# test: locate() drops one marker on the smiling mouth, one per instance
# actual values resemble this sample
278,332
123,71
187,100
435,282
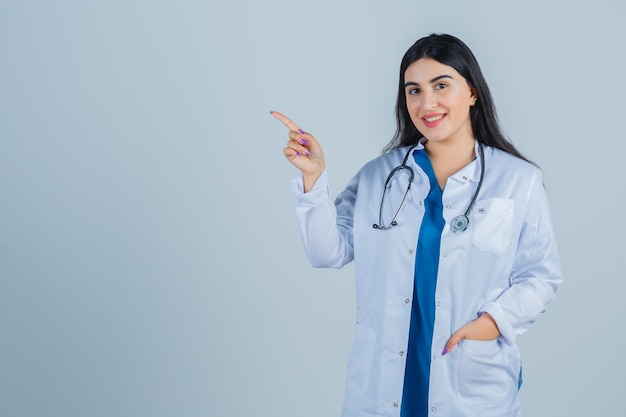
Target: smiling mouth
434,119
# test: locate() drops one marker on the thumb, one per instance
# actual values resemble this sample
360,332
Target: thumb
453,341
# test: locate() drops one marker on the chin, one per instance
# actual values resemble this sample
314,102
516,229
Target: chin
434,138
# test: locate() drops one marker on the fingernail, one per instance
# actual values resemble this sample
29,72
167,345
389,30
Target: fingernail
444,351
302,132
307,153
304,142
298,153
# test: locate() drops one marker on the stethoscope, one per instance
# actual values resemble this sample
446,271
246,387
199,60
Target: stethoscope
459,223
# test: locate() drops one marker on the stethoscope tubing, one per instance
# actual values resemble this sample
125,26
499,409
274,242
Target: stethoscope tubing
459,223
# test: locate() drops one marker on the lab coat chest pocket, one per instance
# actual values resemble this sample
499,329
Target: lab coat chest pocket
492,224
360,363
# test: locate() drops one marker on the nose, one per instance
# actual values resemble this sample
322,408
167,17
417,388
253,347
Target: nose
429,101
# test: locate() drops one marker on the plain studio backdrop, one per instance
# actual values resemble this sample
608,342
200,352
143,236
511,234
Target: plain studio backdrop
150,263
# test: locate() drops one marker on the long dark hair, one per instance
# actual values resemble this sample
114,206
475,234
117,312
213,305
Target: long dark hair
452,52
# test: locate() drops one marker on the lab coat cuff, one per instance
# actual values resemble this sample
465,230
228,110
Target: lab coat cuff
319,193
504,326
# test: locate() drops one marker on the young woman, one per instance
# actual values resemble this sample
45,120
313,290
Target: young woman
452,241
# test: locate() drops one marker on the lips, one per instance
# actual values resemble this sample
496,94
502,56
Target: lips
433,120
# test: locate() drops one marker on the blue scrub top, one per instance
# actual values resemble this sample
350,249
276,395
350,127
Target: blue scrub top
417,373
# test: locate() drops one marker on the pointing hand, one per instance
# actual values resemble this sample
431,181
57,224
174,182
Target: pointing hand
303,151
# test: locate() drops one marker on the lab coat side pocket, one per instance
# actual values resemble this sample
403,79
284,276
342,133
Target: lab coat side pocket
483,376
360,364
492,224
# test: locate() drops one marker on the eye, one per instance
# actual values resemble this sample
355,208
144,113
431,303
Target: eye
414,91
440,86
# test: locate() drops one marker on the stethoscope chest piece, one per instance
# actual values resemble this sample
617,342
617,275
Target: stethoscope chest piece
459,223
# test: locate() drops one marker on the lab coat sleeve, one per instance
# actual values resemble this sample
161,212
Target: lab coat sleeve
325,227
536,272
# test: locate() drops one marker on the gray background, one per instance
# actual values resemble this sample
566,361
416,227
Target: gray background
150,263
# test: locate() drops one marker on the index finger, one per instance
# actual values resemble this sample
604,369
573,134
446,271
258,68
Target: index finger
286,121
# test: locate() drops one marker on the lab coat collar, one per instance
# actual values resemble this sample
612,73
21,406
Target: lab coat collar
470,172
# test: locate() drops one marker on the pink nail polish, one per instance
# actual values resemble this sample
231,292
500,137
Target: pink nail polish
304,142
444,351
298,153
302,132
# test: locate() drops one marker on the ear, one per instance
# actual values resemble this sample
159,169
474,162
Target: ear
473,96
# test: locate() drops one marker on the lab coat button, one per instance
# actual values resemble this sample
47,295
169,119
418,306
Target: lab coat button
438,303
448,206
411,251
444,254
395,405
464,178
407,301
434,357
401,353
433,408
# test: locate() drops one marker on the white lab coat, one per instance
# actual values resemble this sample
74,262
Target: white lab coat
505,263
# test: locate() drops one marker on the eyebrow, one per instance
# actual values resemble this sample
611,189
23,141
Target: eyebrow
437,78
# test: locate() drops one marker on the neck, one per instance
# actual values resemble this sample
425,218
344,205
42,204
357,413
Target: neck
448,158
458,151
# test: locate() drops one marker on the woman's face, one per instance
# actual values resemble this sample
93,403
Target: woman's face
438,100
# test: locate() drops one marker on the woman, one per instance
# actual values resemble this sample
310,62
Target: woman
452,240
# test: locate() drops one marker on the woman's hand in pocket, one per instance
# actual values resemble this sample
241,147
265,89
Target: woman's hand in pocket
483,328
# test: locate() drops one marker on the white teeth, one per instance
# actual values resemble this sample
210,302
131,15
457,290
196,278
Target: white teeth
434,119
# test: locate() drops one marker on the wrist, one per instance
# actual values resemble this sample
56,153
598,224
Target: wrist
489,319
309,180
